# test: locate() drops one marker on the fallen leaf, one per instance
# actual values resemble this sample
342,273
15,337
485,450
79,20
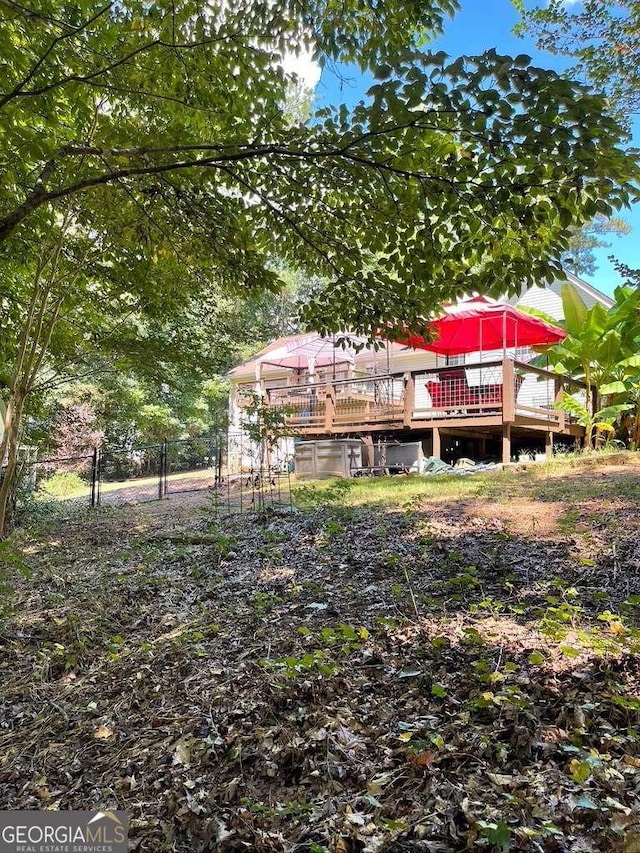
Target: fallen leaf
103,732
422,759
631,843
182,753
500,779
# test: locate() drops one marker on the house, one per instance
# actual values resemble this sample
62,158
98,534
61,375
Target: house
482,404
549,300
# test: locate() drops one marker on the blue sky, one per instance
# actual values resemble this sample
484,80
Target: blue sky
480,25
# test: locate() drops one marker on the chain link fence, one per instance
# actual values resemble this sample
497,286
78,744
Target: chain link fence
239,476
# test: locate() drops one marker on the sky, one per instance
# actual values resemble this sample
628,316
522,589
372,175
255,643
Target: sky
480,25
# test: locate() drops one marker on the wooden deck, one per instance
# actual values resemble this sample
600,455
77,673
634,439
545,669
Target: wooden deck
499,397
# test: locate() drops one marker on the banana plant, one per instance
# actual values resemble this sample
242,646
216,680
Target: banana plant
627,387
600,349
598,426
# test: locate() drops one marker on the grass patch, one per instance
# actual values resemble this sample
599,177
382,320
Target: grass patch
556,480
62,485
394,490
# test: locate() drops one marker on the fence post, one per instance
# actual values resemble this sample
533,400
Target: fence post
330,408
161,470
508,394
218,476
99,469
94,475
166,466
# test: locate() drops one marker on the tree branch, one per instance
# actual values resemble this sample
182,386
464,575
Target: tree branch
17,90
89,78
40,196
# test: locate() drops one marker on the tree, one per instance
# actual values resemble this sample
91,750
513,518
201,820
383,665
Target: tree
94,302
148,157
579,257
602,35
76,431
463,157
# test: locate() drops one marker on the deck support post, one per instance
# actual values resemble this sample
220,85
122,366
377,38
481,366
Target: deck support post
367,454
508,391
548,444
329,409
506,443
409,399
436,449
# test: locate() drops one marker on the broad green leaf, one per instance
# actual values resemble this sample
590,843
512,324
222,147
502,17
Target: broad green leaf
631,361
497,834
610,413
595,318
613,388
575,311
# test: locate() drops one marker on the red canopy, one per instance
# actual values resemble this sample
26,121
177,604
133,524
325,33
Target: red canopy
479,324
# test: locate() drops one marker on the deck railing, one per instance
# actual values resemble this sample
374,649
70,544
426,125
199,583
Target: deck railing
491,392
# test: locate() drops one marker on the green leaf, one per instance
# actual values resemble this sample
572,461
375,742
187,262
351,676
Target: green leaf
580,770
613,388
595,317
570,651
383,72
610,413
632,361
575,311
497,834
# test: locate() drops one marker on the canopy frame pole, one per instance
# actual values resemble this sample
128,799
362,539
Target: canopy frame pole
504,334
481,355
333,341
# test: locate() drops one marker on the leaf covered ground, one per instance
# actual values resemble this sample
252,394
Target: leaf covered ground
443,668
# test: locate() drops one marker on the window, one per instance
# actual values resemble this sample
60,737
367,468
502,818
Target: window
523,354
454,360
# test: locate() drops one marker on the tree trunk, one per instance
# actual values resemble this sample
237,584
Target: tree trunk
9,448
635,443
590,401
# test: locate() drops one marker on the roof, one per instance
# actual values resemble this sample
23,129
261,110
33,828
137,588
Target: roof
248,367
598,295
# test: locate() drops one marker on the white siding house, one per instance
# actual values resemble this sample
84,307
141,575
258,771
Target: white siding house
549,300
396,358
534,394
